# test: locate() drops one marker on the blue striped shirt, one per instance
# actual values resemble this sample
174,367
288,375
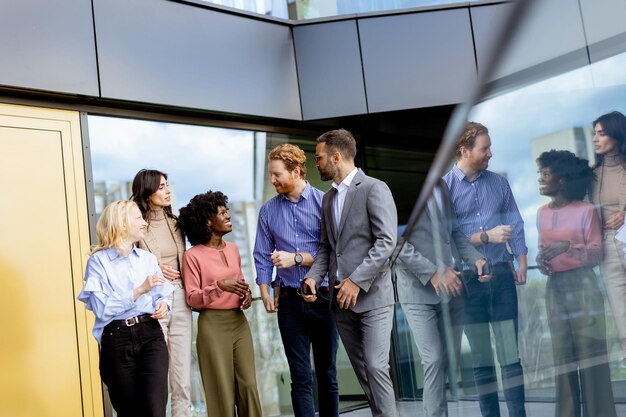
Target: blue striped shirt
290,227
483,204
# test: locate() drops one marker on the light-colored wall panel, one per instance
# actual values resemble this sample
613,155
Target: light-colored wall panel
551,31
417,60
165,52
604,27
329,70
48,45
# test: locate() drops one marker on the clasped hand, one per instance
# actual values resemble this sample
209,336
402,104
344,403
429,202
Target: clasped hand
241,288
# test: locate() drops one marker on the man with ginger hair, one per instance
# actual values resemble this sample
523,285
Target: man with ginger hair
489,218
287,239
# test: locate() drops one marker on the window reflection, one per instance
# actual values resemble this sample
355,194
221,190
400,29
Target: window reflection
197,159
311,9
556,113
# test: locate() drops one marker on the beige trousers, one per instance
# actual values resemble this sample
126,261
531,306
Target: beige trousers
614,277
177,329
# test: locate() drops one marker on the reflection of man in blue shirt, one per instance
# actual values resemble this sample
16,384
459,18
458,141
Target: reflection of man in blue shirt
288,236
489,217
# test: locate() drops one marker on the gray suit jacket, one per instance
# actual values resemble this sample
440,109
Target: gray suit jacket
362,245
435,240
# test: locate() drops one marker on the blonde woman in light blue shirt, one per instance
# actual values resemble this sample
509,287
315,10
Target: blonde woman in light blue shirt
128,295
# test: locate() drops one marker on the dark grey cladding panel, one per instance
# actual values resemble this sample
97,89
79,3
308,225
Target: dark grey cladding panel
329,70
48,45
169,53
417,60
551,37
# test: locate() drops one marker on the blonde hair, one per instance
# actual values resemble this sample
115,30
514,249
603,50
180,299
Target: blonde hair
113,226
291,155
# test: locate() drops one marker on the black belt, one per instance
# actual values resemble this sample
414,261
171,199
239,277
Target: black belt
296,291
131,321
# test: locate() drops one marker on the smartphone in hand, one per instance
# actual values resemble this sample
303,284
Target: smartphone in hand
487,268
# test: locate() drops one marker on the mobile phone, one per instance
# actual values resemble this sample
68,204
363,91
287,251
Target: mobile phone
487,268
305,289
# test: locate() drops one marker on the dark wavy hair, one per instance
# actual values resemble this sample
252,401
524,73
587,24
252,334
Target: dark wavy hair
146,183
574,171
614,126
193,218
339,140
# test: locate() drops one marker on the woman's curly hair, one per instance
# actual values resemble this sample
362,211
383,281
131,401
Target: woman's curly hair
193,218
574,171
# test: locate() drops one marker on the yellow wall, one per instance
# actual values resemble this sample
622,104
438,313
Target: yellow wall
48,359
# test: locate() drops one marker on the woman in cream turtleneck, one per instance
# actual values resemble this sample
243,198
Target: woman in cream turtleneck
609,196
164,239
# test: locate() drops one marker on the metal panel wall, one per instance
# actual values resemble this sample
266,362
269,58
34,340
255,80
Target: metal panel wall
417,60
164,52
48,45
487,23
551,36
329,70
604,26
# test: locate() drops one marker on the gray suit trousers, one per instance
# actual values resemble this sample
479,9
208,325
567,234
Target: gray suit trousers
429,333
367,339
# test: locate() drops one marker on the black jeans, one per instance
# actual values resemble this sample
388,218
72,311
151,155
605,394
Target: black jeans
302,326
133,365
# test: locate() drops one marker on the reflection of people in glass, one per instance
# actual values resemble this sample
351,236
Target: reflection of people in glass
609,194
164,239
569,245
489,217
429,287
215,285
287,238
127,293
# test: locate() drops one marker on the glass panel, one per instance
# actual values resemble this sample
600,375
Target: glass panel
553,344
198,159
311,9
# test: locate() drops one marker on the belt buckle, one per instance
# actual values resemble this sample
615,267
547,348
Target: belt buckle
131,321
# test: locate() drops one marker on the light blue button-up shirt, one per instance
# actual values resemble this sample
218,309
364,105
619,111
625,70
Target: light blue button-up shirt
110,279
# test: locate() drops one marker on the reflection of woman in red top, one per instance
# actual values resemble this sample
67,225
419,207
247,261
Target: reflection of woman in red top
215,285
570,244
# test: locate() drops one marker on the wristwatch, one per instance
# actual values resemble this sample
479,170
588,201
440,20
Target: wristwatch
298,259
484,238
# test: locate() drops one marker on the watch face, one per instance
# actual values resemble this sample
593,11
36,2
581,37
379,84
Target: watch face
484,237
298,259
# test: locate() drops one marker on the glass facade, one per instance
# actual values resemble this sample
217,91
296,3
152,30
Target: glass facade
556,341
198,159
548,345
312,9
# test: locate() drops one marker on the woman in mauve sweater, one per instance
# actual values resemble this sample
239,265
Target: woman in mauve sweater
215,285
570,245
164,239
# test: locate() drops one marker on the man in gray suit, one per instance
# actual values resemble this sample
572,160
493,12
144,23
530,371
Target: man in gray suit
358,235
429,288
